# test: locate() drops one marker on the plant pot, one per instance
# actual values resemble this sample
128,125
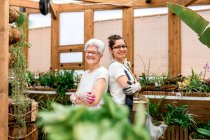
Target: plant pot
13,14
176,133
14,35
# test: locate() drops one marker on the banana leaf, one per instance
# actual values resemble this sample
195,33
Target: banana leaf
197,23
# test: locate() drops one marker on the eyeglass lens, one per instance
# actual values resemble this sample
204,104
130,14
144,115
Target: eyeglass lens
120,46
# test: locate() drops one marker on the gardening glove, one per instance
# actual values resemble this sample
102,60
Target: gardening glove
132,88
87,97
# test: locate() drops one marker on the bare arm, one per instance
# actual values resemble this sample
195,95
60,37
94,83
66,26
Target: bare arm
98,90
122,80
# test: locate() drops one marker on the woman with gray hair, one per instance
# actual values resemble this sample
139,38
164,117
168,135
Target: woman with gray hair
94,81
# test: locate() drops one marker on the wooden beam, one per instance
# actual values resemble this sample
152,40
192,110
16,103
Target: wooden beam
52,9
138,4
186,2
89,28
174,45
25,3
128,33
4,58
55,41
119,3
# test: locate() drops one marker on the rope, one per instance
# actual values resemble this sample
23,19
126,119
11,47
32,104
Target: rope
25,113
24,136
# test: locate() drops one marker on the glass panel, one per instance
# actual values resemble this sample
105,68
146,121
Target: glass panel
71,28
72,57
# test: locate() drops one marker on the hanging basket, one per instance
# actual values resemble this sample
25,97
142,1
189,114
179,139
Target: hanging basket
14,35
30,115
13,14
30,132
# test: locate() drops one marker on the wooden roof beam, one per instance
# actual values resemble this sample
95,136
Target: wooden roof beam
25,3
52,9
186,2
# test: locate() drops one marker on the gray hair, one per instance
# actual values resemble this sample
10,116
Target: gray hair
95,42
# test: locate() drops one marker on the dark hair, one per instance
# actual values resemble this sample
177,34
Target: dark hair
112,40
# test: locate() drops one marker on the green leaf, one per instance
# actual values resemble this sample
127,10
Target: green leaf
205,37
203,131
189,17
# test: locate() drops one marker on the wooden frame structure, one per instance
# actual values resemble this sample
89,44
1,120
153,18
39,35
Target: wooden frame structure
4,53
174,35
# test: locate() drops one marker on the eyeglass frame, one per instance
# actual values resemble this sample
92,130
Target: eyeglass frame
93,53
120,46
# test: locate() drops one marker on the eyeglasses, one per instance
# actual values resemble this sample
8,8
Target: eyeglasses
94,53
120,46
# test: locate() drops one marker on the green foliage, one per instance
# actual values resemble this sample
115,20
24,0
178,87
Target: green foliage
154,110
19,73
202,132
59,80
81,123
194,21
152,80
193,83
178,115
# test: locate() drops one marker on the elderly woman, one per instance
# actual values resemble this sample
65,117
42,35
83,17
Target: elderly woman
122,83
94,80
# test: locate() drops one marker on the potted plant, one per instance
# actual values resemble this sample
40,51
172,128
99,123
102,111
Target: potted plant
178,120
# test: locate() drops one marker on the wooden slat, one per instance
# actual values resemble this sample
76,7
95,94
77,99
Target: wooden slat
25,3
174,45
71,48
186,2
72,66
89,28
128,33
4,56
113,2
54,41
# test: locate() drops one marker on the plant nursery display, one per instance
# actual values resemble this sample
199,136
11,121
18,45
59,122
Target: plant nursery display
59,80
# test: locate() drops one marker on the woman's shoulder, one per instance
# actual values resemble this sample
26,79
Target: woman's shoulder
103,69
115,65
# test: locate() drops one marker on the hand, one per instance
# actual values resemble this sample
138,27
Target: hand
132,88
87,97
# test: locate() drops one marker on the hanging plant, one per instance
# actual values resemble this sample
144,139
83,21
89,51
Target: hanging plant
18,73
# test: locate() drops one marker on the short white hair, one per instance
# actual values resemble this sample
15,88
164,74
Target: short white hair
95,42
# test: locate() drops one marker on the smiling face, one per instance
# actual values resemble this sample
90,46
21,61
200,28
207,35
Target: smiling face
92,56
119,50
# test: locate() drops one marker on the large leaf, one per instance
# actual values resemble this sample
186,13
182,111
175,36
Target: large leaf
190,17
203,131
205,37
194,21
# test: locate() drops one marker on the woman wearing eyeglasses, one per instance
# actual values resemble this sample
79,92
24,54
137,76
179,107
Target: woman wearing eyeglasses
94,81
122,83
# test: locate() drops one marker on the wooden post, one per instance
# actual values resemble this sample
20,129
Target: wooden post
88,27
174,45
55,41
4,54
128,33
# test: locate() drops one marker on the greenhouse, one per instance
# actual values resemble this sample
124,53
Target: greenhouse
105,69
